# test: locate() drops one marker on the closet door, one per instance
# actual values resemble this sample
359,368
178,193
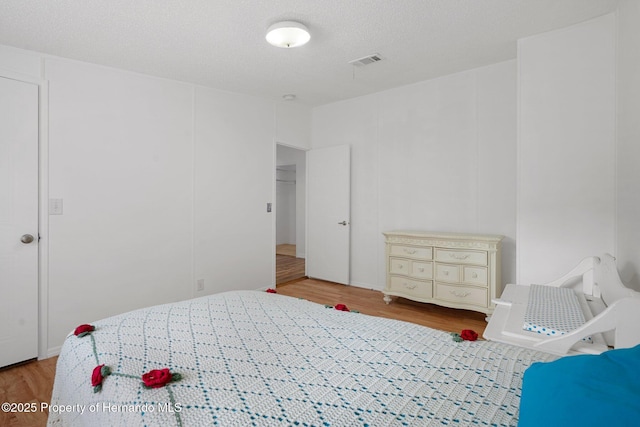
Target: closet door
18,221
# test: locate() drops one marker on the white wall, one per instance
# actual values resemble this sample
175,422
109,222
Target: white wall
20,61
120,156
233,183
292,124
628,142
438,155
163,183
566,148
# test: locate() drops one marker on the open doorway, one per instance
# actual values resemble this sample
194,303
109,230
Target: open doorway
290,213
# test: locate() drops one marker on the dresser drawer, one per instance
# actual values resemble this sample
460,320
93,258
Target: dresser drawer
421,270
461,257
399,266
462,294
425,253
475,275
417,288
405,267
448,273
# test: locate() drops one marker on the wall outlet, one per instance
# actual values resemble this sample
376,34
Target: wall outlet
200,285
55,206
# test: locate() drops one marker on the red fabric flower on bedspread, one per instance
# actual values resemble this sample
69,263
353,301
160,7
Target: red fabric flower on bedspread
83,330
271,291
100,372
341,307
157,378
468,335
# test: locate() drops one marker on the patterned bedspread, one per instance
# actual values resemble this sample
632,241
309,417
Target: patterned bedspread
254,358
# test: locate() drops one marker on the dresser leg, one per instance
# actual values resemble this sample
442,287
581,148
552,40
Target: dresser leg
387,298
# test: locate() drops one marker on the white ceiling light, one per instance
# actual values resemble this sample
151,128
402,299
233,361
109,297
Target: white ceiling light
288,34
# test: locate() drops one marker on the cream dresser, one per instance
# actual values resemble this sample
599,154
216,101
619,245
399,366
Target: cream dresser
450,269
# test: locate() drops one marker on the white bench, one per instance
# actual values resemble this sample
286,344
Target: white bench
611,312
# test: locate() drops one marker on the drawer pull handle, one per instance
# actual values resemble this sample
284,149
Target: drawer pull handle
458,256
409,286
400,266
474,275
446,273
410,251
421,269
460,294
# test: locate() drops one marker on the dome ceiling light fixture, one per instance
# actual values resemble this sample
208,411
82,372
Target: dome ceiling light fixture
288,34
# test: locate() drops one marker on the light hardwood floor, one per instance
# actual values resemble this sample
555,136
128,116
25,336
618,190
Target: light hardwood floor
370,302
288,267
286,249
28,383
33,382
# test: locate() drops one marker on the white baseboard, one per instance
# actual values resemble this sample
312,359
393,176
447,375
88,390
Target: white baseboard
53,351
366,286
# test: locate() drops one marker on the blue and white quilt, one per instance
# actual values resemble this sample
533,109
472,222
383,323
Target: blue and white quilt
250,358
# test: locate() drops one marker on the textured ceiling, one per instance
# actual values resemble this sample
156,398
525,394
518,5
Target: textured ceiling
221,44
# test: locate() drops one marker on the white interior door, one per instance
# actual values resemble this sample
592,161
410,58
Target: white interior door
328,213
18,221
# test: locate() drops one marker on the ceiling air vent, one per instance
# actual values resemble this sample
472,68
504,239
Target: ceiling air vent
370,59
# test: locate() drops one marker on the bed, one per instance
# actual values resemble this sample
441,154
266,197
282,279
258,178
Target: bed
247,358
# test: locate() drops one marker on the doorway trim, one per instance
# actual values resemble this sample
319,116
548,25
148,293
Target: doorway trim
43,196
275,207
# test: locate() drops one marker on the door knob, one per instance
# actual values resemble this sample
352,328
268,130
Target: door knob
343,223
26,238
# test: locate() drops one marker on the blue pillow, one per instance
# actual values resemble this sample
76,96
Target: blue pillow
585,390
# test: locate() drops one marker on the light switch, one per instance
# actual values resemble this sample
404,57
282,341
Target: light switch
55,206
268,207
